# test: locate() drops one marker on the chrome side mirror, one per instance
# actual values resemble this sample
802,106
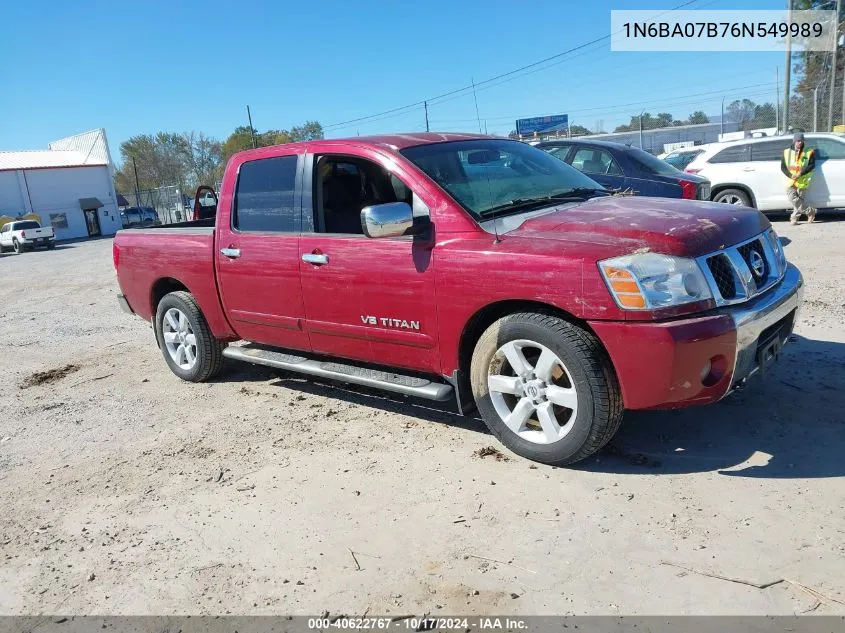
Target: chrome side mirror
387,220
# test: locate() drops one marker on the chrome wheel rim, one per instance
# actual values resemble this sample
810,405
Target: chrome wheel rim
731,199
179,339
532,391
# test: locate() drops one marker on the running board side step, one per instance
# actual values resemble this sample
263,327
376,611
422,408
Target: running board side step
398,383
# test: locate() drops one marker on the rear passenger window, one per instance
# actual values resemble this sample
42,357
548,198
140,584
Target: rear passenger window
264,199
735,154
827,148
769,150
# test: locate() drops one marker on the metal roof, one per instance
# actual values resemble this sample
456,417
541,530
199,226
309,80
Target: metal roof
80,150
44,159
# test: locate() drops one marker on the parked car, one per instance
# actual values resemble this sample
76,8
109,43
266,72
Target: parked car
526,291
621,167
24,235
747,172
680,158
132,217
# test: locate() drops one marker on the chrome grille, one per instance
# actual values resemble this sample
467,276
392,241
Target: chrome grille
723,275
740,272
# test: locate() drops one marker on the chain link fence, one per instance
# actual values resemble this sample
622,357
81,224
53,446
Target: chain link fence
169,203
811,110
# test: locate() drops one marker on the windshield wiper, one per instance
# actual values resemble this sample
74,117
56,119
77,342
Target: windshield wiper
518,204
581,193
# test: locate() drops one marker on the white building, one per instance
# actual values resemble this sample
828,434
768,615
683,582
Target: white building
69,186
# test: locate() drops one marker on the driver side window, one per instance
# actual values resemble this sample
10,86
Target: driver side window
343,185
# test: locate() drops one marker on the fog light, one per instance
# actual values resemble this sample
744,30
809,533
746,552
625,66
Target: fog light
714,370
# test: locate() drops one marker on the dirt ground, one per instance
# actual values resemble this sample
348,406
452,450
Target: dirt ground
126,491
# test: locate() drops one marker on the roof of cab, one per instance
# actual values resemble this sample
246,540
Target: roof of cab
393,142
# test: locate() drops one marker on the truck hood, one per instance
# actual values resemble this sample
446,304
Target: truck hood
686,228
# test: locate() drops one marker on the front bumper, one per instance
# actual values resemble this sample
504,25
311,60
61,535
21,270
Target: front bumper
664,364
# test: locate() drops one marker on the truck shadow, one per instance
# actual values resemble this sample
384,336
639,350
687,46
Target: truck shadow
787,424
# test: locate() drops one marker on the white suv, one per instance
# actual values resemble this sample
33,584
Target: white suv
747,172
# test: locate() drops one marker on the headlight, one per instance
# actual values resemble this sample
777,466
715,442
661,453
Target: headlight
777,247
647,281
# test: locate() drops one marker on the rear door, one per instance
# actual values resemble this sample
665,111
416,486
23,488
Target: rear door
258,250
365,299
599,165
763,176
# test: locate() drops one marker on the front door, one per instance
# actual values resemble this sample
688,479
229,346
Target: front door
365,298
92,222
258,252
827,188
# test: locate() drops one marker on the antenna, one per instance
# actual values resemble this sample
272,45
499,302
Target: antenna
496,230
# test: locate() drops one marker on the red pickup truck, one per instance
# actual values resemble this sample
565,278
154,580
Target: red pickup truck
468,267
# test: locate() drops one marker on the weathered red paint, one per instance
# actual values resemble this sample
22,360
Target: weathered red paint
269,295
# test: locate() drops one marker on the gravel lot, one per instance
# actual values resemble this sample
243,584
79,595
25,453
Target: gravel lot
126,491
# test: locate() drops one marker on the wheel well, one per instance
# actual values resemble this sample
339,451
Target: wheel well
163,287
485,317
719,188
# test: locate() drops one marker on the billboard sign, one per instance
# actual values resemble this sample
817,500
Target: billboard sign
542,124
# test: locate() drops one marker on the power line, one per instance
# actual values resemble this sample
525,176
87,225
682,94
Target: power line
491,79
616,108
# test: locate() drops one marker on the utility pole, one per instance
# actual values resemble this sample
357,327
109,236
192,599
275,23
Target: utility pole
833,67
816,109
722,119
777,99
788,70
425,105
251,129
137,192
474,96
641,129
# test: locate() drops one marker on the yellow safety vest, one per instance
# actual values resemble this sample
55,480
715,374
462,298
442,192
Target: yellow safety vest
795,163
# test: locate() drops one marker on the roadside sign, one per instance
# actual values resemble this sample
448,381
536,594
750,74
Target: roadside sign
541,124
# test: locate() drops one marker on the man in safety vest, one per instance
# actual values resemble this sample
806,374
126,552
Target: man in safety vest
797,164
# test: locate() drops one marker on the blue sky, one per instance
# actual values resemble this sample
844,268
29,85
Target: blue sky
141,67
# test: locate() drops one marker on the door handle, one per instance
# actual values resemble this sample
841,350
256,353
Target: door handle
231,253
316,259
749,169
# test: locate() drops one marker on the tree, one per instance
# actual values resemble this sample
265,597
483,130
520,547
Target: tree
698,117
765,115
204,158
308,131
741,112
811,71
239,140
579,130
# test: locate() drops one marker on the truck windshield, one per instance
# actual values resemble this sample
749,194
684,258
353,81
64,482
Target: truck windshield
495,176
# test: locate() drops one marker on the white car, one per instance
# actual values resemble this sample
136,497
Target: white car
747,172
26,234
680,158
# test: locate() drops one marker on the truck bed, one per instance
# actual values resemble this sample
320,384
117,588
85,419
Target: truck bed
155,260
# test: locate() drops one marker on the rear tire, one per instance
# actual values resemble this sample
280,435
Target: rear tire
51,246
561,404
189,348
733,196
17,246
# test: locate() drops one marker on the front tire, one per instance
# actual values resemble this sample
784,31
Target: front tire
189,348
545,388
733,196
